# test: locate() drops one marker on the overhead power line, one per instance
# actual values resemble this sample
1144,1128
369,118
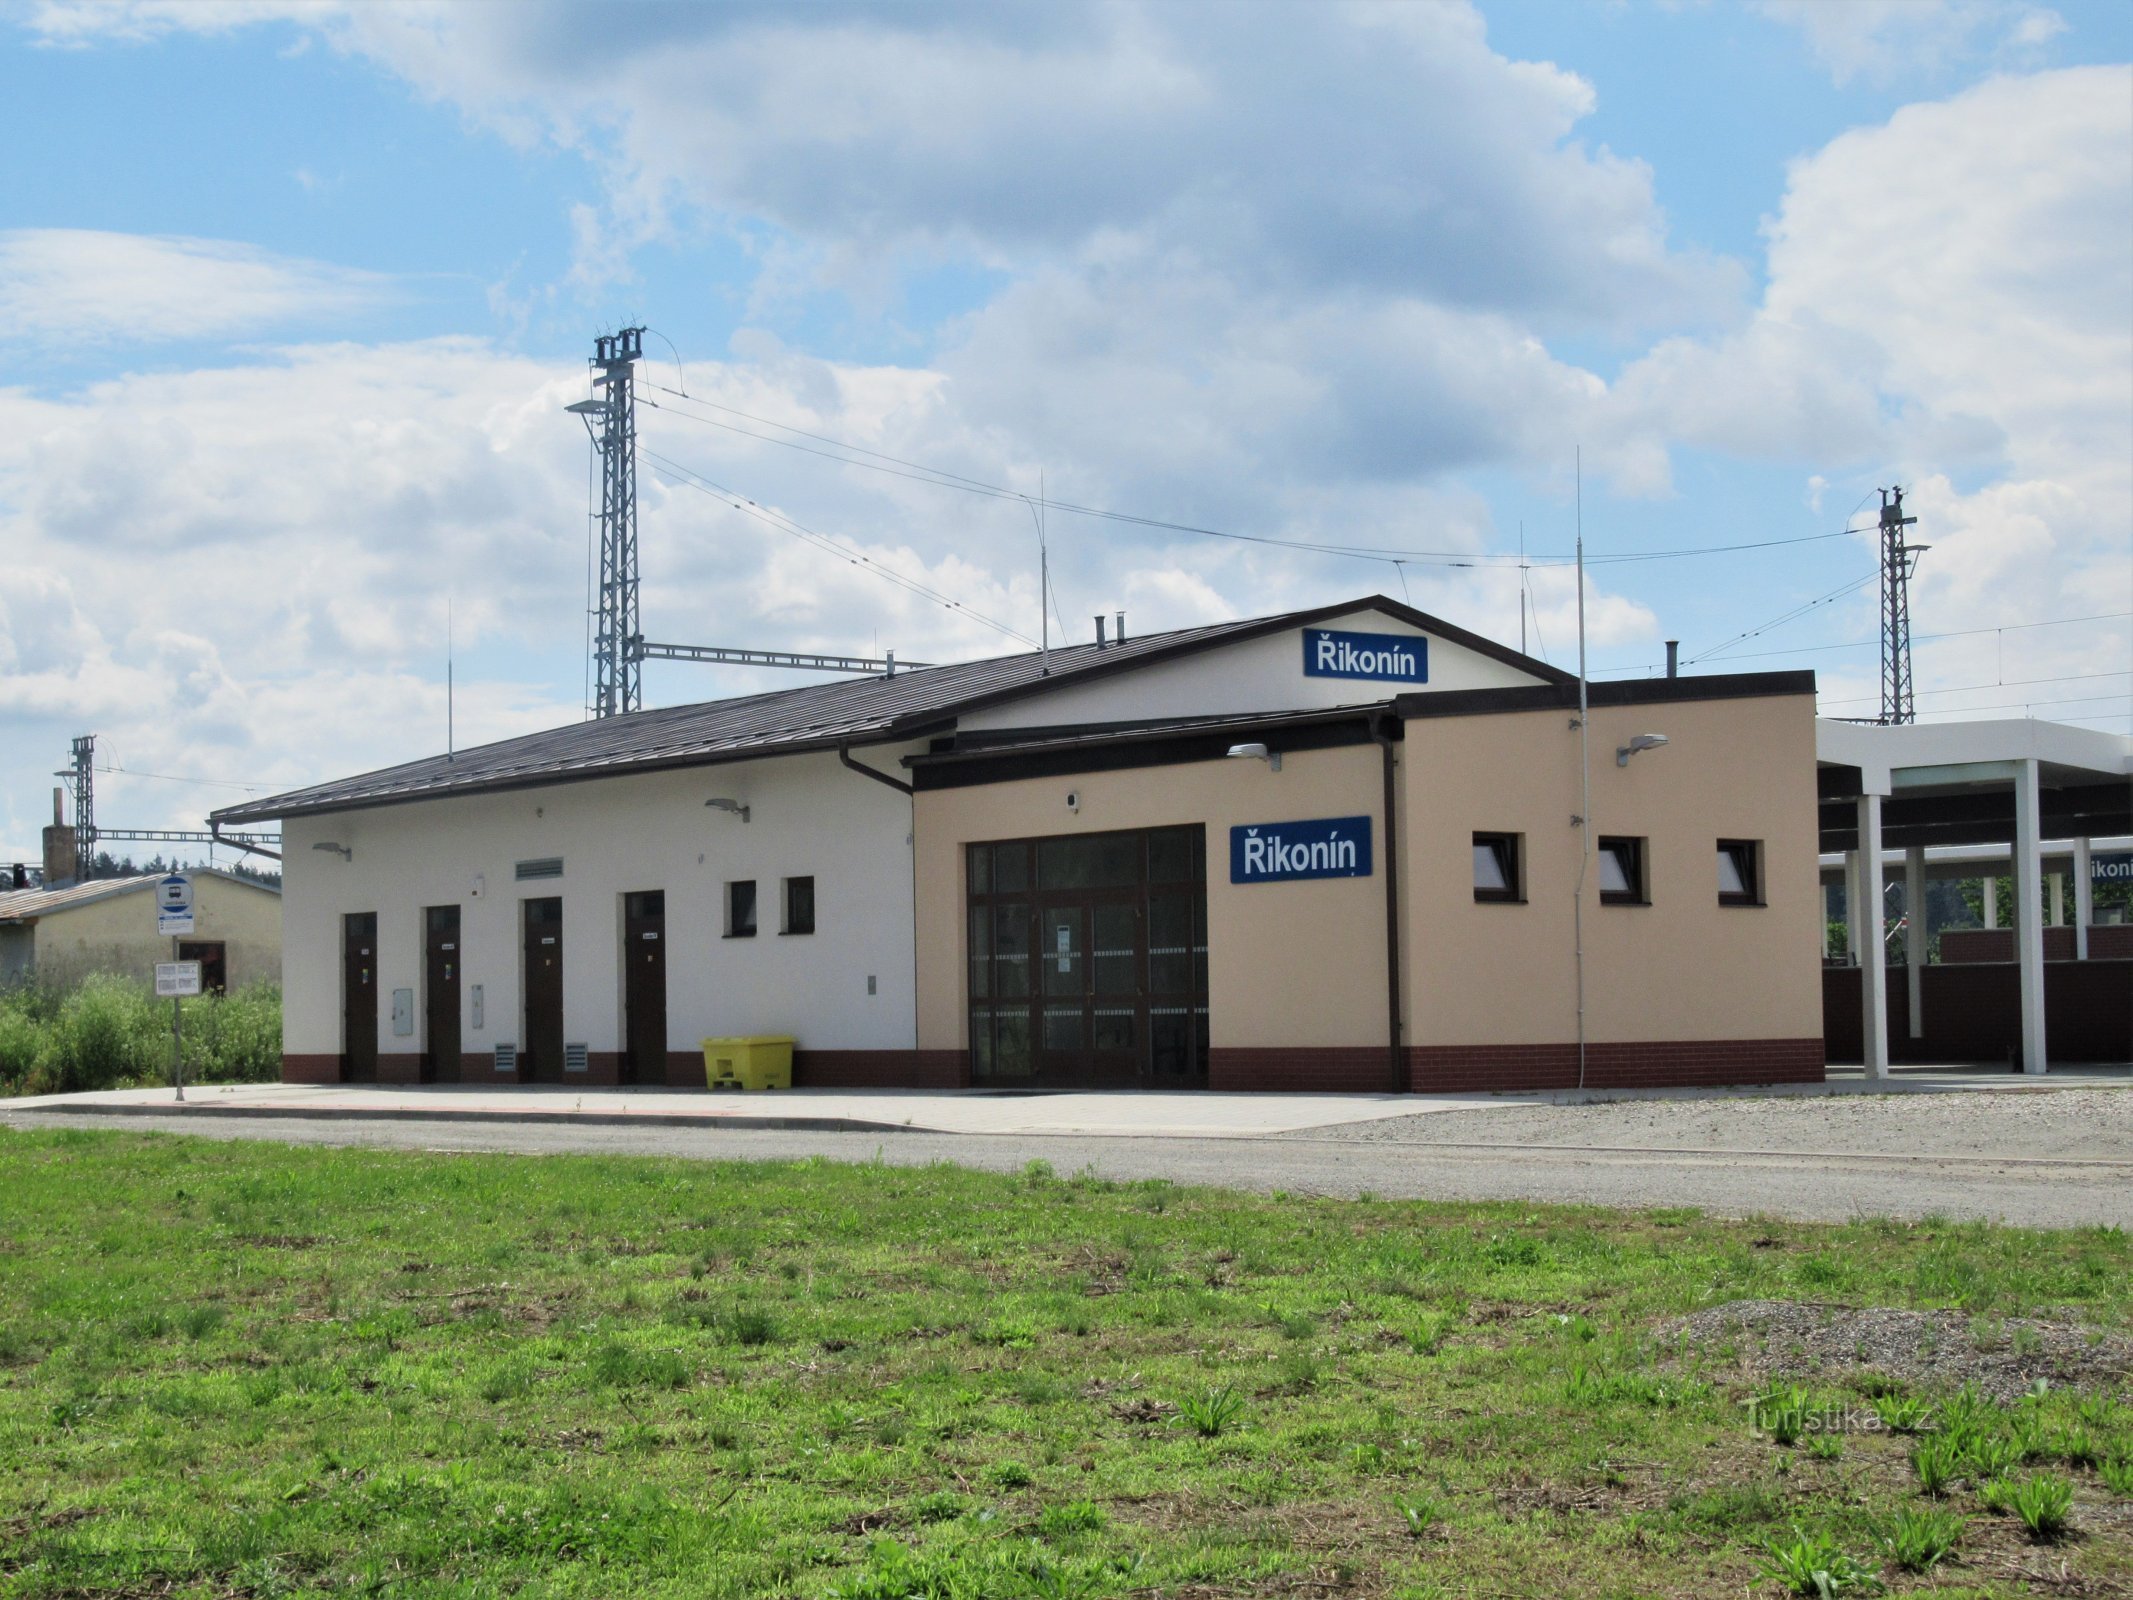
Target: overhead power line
2011,683
1779,621
918,472
689,477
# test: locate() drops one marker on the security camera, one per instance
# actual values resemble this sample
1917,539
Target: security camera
1073,799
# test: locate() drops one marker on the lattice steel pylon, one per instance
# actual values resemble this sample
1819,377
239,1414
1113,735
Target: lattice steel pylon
617,661
1898,558
80,778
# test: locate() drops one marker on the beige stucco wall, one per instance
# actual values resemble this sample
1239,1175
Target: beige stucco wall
1683,967
118,933
1298,963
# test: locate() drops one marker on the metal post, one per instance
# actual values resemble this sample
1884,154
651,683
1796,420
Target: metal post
2028,929
1873,958
1992,902
1897,559
2058,894
618,670
1914,934
2084,899
1852,898
177,1043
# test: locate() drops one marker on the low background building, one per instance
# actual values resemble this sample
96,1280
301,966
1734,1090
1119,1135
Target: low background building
62,935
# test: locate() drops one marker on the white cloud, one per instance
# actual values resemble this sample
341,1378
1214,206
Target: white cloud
1947,306
70,285
1895,40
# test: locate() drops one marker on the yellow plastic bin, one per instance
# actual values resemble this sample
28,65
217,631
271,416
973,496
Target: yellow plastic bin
758,1063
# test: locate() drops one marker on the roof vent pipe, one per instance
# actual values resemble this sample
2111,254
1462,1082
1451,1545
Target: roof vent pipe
1122,627
1099,633
1673,658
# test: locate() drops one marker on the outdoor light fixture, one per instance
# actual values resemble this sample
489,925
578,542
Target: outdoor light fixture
587,408
1642,741
1256,752
341,850
721,803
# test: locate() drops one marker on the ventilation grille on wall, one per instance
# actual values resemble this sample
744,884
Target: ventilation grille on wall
574,1058
545,867
507,1058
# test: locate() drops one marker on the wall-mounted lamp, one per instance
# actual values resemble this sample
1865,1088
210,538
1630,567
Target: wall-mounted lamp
721,803
341,850
1256,752
1642,741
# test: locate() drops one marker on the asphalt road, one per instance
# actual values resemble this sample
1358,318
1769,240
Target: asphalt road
1560,1162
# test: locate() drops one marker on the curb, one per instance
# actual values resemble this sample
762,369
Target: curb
618,1119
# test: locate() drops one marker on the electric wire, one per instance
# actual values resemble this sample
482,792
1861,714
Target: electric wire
689,477
899,467
2010,683
1779,621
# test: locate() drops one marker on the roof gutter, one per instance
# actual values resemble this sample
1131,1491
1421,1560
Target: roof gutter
844,754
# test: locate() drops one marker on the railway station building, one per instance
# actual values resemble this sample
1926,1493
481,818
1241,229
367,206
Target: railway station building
1333,849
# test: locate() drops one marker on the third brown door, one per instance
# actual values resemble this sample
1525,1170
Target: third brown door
644,987
440,993
543,956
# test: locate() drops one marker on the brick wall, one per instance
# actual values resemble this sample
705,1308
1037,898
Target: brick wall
1639,1064
1972,1013
1364,1069
878,1069
1961,946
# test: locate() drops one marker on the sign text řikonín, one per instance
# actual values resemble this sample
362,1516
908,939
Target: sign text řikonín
1386,657
1324,847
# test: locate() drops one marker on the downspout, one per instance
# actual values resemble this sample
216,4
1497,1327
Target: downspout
844,754
1395,1057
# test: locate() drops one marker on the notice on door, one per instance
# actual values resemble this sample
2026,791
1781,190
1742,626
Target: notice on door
1278,852
1066,949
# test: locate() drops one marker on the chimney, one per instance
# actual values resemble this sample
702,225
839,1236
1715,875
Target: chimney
1099,633
1122,627
1673,658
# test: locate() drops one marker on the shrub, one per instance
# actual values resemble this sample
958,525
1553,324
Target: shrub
234,1038
109,1031
1917,1540
1812,1564
2043,1500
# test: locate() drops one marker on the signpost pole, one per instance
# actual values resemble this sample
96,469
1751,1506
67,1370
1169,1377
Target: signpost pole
177,1046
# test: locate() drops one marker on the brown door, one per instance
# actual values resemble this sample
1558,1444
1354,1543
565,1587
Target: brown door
359,997
1088,961
440,993
644,987
543,1046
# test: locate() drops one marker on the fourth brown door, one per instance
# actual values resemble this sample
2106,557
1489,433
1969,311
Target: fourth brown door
644,987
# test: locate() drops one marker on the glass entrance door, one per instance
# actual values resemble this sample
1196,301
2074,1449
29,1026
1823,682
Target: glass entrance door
1068,988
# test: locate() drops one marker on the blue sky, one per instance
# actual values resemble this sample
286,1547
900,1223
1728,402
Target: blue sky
291,298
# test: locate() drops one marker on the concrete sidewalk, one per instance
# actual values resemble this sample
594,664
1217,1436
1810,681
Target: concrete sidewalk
1196,1115
1201,1114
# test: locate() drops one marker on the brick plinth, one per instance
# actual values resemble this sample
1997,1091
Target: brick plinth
1614,1064
310,1069
1338,1069
877,1069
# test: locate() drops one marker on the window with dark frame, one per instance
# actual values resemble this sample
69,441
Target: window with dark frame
799,905
1740,876
1622,873
740,909
1496,869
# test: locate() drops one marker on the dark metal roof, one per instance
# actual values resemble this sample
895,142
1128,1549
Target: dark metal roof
820,716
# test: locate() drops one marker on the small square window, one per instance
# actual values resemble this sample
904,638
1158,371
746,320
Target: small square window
1496,869
1740,876
799,905
1622,873
740,909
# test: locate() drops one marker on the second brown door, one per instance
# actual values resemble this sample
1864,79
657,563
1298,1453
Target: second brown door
440,941
543,957
644,987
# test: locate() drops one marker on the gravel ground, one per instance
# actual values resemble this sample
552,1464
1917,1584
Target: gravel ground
2058,1125
1936,1350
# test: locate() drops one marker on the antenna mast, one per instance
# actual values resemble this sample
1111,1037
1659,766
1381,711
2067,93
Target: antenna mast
80,777
1898,558
617,663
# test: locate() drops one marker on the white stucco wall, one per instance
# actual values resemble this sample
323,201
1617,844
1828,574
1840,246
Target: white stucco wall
809,816
1263,674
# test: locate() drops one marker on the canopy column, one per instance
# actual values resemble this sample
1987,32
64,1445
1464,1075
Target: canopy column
2028,913
1873,955
1914,935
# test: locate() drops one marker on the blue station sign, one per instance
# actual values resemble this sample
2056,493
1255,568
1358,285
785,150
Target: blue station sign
1381,657
1276,852
2116,867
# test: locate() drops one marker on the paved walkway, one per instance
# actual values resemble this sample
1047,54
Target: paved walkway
1140,1115
1156,1115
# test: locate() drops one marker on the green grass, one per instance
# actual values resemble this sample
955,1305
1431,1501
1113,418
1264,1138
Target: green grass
248,1370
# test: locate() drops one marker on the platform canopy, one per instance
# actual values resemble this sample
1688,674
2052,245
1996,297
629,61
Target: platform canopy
1916,786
